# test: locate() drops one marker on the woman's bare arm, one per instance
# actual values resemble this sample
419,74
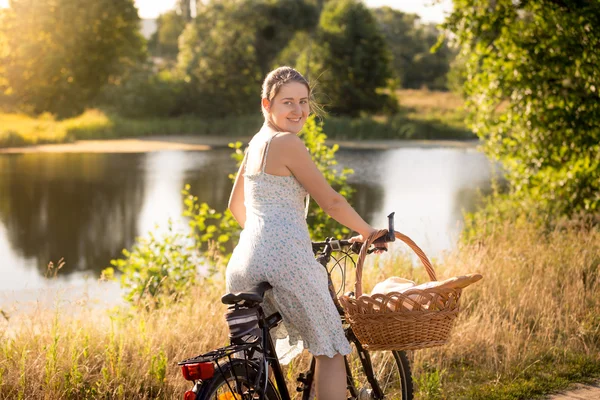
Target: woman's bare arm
236,199
293,153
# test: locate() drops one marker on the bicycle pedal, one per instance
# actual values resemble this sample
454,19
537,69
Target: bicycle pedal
303,380
302,387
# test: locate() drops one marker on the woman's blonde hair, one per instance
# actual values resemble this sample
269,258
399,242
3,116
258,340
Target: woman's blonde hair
275,80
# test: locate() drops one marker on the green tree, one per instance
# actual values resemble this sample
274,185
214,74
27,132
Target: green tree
533,87
351,60
231,45
164,42
410,43
55,55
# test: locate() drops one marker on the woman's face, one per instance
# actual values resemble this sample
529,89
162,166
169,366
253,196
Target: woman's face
289,109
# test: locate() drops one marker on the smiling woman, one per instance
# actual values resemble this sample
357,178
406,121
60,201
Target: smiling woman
269,200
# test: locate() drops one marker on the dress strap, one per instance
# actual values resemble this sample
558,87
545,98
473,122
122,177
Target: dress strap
245,159
264,159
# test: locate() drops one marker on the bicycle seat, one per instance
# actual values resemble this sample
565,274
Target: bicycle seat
252,297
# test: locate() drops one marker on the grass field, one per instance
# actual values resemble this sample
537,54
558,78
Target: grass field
423,115
532,325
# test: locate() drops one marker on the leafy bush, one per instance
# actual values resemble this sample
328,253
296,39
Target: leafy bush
145,93
532,86
159,268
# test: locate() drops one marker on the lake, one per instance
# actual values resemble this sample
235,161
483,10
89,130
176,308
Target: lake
86,207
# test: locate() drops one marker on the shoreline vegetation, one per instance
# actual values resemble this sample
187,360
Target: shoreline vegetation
423,115
531,327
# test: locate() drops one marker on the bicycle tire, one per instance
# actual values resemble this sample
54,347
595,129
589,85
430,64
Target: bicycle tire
391,369
224,385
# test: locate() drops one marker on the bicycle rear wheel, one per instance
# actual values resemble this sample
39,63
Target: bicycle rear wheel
391,369
233,382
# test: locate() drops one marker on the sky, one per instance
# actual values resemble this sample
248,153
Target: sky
428,10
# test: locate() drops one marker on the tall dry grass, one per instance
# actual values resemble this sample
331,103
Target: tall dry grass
533,322
434,108
538,305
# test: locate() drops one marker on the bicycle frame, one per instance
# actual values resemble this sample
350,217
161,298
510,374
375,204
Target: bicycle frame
267,347
306,379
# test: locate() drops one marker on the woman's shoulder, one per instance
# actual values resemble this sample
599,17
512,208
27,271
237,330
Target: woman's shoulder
285,134
286,137
288,141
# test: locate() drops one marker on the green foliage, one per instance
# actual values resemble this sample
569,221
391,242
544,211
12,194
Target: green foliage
215,232
158,367
457,75
417,126
55,55
158,268
351,60
144,93
320,225
410,43
230,47
164,42
429,383
533,87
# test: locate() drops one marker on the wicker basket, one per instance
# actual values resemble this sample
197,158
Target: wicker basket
413,319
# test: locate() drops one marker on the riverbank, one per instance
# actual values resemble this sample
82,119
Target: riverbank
203,143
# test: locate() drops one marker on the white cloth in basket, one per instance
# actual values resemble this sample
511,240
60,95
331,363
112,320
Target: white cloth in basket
396,284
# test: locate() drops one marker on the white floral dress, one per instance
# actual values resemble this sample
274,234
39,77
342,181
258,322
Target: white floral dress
275,247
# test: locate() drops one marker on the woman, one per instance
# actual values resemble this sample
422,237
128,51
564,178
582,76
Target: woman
269,200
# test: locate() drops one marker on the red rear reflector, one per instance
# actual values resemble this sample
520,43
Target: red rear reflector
193,372
189,395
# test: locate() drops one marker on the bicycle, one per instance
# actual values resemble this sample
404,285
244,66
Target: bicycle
240,371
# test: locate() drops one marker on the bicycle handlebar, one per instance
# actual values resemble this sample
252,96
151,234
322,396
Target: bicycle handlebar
337,245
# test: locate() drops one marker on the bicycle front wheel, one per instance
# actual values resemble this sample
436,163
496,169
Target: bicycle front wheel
391,370
235,381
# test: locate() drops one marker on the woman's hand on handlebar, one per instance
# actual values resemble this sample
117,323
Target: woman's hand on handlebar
380,247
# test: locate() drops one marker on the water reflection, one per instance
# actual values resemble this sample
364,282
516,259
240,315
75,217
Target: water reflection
88,207
80,207
166,173
428,188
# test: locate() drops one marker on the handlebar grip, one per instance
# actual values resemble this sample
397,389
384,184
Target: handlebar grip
383,239
391,237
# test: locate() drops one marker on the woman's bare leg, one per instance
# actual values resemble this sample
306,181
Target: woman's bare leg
330,378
